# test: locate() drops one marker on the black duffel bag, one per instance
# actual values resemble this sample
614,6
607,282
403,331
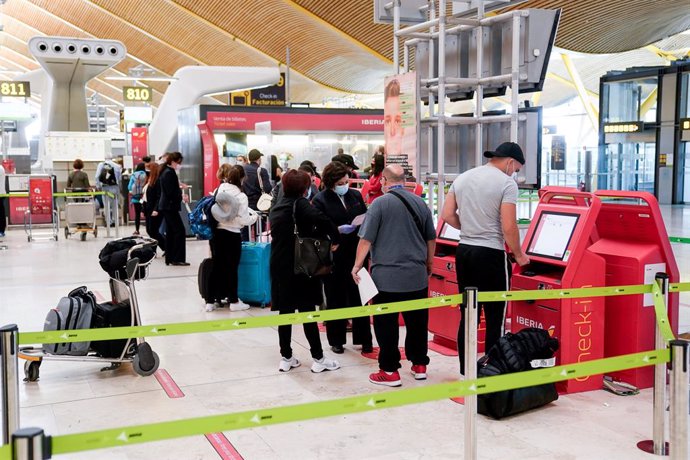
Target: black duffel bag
115,254
514,353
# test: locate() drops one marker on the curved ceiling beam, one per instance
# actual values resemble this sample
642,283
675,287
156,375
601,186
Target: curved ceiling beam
346,36
254,49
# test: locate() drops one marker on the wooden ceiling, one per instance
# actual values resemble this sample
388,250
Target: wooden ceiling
335,47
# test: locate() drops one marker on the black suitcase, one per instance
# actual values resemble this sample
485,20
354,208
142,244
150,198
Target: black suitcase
204,277
110,314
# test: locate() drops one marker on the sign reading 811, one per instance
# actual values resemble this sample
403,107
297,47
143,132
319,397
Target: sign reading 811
15,88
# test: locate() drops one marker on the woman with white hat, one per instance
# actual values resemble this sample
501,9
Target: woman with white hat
232,212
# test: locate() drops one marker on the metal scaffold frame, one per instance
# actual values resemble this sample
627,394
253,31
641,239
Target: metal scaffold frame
438,26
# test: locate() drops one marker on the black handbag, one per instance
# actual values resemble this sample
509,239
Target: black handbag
313,256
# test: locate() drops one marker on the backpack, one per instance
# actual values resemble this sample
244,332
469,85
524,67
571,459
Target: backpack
107,175
75,311
201,221
137,188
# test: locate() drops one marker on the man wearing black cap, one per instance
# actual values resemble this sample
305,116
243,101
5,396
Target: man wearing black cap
348,161
482,205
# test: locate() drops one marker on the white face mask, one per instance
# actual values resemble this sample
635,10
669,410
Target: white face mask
342,189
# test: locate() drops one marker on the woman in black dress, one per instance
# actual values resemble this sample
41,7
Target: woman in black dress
342,204
169,207
152,196
290,292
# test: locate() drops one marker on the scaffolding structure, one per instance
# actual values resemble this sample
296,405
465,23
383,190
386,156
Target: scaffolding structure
464,38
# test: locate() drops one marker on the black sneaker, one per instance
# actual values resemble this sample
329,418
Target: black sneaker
338,349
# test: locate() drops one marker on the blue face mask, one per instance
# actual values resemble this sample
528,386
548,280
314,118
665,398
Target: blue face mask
308,193
342,189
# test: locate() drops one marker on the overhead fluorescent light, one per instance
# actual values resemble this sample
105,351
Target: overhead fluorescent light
127,78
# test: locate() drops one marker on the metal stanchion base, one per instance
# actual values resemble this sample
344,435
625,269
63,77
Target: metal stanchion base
648,446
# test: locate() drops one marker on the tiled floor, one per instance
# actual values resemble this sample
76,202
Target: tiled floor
233,371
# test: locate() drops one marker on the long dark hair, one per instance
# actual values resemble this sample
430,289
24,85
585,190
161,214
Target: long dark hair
274,168
379,164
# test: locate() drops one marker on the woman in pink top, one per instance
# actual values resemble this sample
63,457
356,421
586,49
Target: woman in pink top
377,165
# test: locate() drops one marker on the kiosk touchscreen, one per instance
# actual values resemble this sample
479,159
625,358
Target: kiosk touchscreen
552,235
557,244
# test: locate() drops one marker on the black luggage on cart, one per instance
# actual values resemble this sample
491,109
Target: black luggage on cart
110,314
514,353
204,277
114,255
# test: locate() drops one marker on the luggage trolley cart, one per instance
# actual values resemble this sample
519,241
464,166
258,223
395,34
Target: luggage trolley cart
41,208
80,214
144,360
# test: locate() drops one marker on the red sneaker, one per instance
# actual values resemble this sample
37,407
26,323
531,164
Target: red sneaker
419,371
389,379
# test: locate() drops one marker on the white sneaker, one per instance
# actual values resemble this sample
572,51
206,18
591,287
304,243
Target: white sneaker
210,306
325,364
238,306
286,364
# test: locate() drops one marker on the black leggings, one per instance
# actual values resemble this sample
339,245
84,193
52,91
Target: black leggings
311,331
226,249
486,269
137,216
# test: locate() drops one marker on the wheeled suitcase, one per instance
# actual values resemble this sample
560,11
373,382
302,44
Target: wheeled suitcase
254,276
204,277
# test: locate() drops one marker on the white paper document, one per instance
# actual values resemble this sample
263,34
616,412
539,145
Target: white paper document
359,220
367,288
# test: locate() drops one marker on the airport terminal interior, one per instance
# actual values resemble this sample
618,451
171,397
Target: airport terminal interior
596,95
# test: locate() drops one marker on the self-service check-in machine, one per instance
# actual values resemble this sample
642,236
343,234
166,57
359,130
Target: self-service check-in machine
610,238
558,245
632,239
444,321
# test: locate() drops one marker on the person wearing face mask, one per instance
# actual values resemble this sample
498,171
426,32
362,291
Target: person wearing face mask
482,205
342,204
169,207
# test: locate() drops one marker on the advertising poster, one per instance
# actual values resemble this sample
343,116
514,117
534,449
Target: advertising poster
400,120
41,199
140,143
210,152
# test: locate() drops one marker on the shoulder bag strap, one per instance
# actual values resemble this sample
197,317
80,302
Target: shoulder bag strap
261,182
414,215
294,218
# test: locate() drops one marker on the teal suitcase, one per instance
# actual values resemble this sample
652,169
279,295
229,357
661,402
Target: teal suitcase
254,276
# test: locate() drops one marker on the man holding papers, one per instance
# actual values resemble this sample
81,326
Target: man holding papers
399,233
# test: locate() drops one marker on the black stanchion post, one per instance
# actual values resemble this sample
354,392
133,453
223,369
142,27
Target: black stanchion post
470,304
9,350
658,445
680,401
31,444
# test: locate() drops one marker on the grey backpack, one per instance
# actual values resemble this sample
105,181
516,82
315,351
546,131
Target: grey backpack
72,312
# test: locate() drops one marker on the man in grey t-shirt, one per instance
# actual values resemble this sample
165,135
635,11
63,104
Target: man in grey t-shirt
482,205
399,232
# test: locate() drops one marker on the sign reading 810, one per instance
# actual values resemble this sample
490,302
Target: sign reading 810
137,94
15,89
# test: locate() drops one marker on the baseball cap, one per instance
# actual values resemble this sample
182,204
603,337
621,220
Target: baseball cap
346,159
254,155
507,149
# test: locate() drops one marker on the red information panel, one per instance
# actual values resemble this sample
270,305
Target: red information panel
211,163
140,144
41,199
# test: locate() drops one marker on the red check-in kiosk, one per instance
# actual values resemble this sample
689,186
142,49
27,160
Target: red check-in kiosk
444,321
632,239
558,244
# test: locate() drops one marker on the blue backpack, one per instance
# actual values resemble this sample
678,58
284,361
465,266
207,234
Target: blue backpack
201,221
